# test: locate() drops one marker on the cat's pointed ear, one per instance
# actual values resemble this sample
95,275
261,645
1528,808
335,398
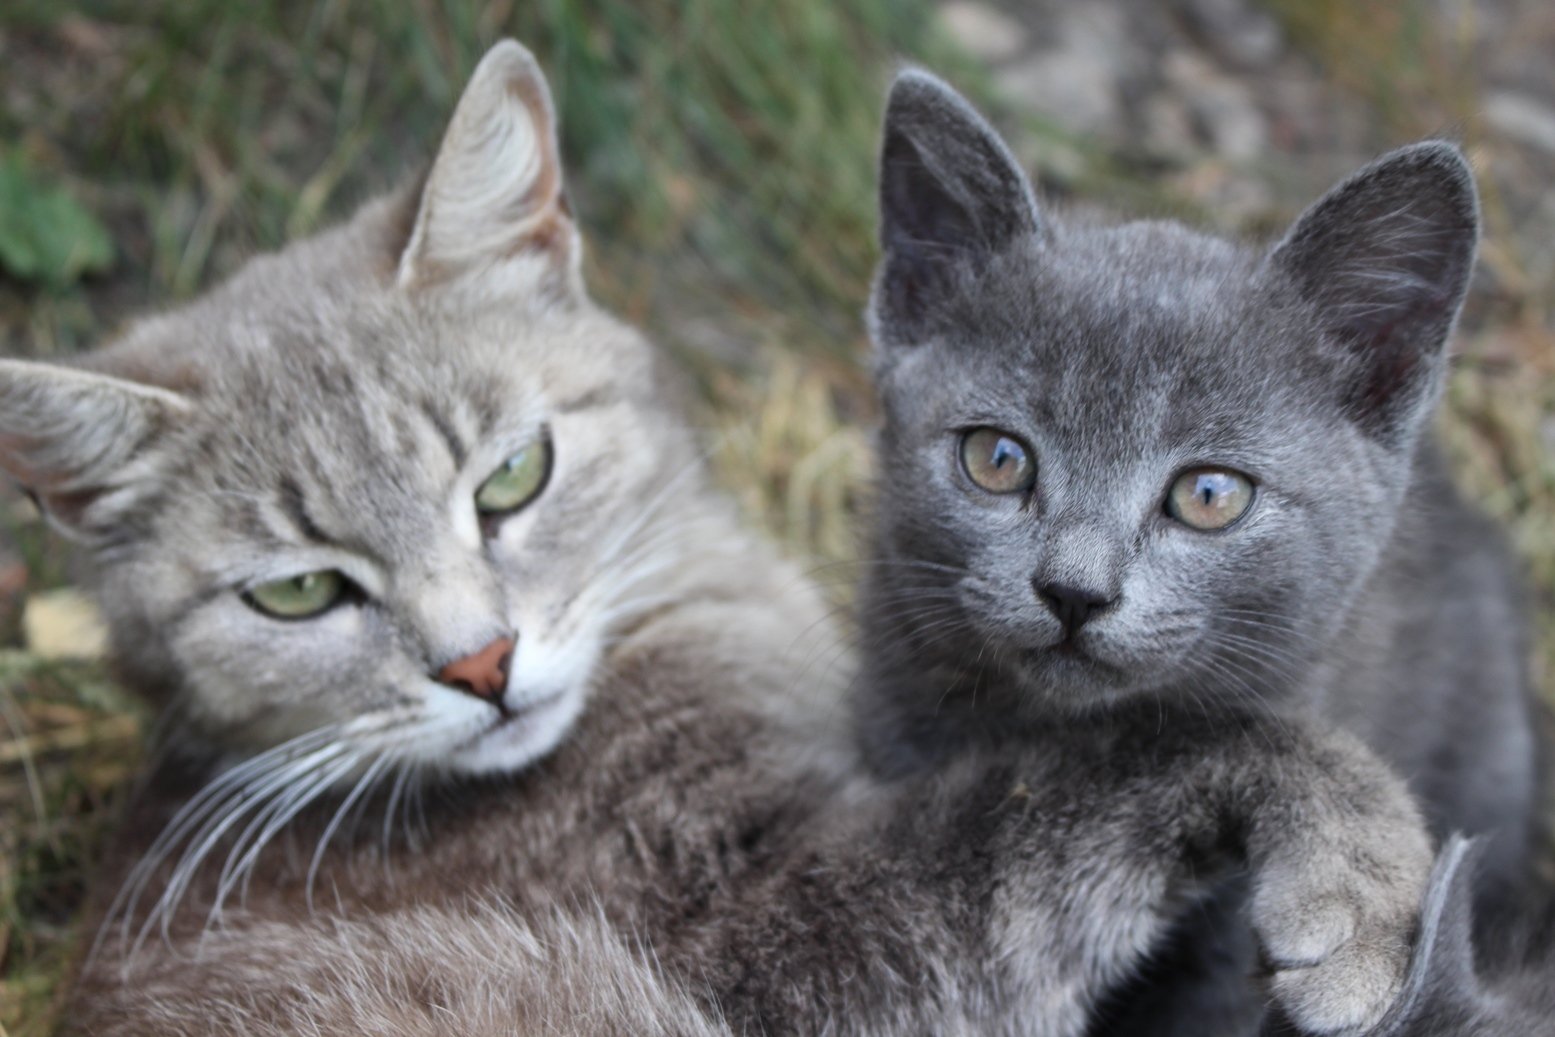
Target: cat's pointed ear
951,197
493,216
82,443
1385,258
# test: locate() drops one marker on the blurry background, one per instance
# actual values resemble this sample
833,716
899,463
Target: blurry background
720,155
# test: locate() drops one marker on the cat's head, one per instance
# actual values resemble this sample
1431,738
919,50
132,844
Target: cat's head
1137,458
396,486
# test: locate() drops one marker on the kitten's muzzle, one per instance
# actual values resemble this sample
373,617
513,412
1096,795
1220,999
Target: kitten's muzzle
483,674
1072,605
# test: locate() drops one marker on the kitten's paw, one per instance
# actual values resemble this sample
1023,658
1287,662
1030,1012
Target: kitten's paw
1338,938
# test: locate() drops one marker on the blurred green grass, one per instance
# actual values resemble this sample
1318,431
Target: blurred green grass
721,157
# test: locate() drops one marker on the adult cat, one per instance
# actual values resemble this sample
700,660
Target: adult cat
400,505
1137,463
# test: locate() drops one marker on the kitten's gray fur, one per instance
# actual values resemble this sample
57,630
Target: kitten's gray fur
1357,587
1444,996
657,826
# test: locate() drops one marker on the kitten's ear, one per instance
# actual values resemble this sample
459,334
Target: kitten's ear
951,196
493,214
82,443
1385,257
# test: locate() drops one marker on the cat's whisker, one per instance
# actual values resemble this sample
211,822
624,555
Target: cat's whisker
222,793
1272,651
263,799
282,810
368,779
1244,681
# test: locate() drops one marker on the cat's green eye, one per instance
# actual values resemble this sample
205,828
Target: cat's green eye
298,597
518,481
997,461
1209,498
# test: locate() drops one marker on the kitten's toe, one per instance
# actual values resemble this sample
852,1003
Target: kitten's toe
1348,992
1339,949
1299,933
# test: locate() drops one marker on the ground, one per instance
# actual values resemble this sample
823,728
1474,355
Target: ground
720,155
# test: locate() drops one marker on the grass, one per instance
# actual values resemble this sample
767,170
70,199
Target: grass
721,157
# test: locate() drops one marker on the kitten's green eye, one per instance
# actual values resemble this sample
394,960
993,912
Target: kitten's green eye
997,461
518,481
1209,498
299,597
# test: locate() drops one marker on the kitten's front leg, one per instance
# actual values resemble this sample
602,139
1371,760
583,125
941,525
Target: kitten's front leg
1340,859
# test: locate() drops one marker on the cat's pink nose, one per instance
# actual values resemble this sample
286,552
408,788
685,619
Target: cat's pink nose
484,674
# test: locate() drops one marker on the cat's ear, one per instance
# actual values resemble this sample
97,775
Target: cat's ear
493,215
1385,258
82,443
951,197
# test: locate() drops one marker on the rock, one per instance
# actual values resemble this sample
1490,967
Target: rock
1168,128
982,31
63,624
1523,119
1236,32
1222,106
1076,84
1234,200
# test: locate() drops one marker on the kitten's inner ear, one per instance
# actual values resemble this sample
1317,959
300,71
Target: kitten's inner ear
1385,257
493,215
83,443
951,196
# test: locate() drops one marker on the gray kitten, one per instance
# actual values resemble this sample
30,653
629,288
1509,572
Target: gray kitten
1139,463
399,517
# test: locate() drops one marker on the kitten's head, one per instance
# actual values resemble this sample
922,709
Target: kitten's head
397,486
1137,458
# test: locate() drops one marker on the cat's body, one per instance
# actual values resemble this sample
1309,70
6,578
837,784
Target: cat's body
675,868
1430,668
1108,388
399,515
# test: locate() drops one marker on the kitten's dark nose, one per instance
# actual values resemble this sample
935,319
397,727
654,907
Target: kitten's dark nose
484,674
1072,605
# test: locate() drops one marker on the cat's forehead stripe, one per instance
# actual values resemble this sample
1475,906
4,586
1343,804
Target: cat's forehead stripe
456,445
295,505
600,396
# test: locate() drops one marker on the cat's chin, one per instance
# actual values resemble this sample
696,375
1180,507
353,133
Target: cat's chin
1070,680
515,741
